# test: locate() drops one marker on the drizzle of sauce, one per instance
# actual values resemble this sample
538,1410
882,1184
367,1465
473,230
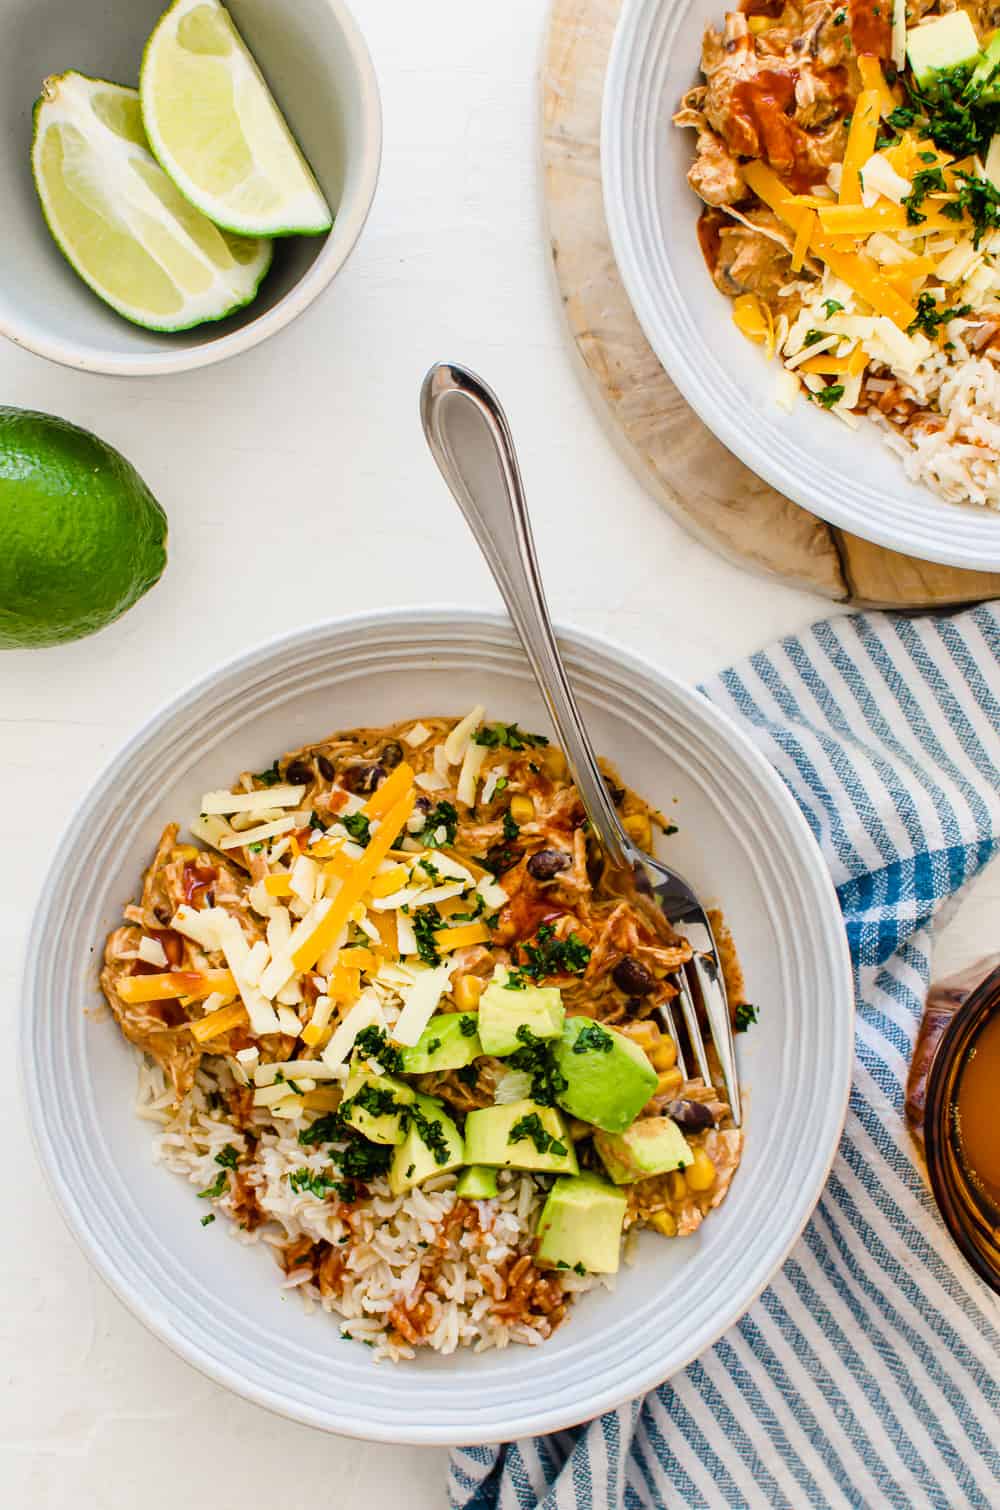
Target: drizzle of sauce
761,124
710,223
197,880
976,1111
871,26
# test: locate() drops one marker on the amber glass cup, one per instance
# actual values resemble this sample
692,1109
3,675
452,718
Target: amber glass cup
971,1213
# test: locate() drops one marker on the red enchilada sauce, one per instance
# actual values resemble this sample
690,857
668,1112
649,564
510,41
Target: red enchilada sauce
977,1111
871,26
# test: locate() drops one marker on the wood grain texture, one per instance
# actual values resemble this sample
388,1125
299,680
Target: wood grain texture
676,457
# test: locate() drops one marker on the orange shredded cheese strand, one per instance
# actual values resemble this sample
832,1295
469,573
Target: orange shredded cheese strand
768,186
860,144
855,220
873,78
194,984
343,983
221,1021
447,939
862,275
357,958
393,787
803,236
392,880
851,365
355,885
340,865
278,886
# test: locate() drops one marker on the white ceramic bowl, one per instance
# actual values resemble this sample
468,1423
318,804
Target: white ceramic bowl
219,1304
851,480
317,64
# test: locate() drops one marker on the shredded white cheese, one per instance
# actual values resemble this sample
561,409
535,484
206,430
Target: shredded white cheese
252,802
257,835
420,1001
457,741
365,1013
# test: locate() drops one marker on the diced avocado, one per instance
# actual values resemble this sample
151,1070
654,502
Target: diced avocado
431,1145
653,1145
985,81
608,1077
448,1042
581,1225
520,1135
477,1183
502,1011
373,1106
945,42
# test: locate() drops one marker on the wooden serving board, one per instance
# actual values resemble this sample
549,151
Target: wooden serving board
678,460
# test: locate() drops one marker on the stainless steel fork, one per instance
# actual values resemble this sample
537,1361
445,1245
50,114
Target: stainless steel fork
470,439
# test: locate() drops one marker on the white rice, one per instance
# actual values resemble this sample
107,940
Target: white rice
960,458
386,1242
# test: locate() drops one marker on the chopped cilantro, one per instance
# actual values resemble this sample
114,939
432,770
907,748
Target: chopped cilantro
467,1026
362,1160
593,1038
326,1129
534,1058
358,826
510,828
433,1046
979,199
228,1158
431,1132
931,316
548,955
531,1127
315,821
445,816
218,1187
429,868
372,1043
317,1184
900,118
578,1266
831,306
376,1100
270,777
207,1221
840,18
828,396
927,157
927,181
812,336
468,1074
744,1015
509,736
426,922
254,849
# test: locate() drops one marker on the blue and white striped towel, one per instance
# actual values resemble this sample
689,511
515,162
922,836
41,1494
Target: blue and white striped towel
867,1373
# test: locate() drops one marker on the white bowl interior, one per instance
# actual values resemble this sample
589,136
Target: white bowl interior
741,838
849,479
318,69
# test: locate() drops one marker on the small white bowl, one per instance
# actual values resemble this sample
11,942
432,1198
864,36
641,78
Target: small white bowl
316,62
218,1304
851,479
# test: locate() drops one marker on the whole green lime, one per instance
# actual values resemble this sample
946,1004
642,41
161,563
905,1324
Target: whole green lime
81,536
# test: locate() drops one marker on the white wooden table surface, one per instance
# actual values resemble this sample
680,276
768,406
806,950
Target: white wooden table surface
298,486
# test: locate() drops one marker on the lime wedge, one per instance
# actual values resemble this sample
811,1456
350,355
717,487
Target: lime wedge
119,220
215,128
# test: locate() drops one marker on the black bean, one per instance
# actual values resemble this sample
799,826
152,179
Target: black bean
616,793
501,857
548,863
299,773
693,1116
392,754
422,805
326,769
632,977
361,779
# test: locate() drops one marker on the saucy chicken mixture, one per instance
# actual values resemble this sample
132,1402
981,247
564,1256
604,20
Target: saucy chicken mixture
398,1021
849,162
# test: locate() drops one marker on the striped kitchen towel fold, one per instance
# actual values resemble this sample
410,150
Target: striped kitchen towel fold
867,1373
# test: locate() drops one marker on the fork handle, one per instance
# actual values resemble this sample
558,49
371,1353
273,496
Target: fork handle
470,440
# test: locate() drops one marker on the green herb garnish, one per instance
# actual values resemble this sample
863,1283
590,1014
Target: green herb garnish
426,922
593,1037
548,955
745,1014
372,1043
931,316
507,736
318,1185
358,826
828,396
531,1127
534,1059
831,306
270,777
443,816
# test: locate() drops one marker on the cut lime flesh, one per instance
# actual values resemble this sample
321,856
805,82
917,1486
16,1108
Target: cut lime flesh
121,223
214,126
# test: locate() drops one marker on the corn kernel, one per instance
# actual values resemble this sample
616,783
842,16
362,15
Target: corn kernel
185,852
663,1053
646,1034
467,992
758,24
701,1174
669,1081
677,1185
664,1222
522,809
554,764
639,829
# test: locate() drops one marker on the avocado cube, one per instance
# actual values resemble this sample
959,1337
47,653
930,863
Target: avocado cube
431,1145
449,1042
477,1183
653,1145
581,1225
502,1011
992,164
985,81
373,1106
945,42
608,1077
520,1135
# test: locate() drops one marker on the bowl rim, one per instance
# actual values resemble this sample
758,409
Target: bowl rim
532,1418
316,278
828,495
